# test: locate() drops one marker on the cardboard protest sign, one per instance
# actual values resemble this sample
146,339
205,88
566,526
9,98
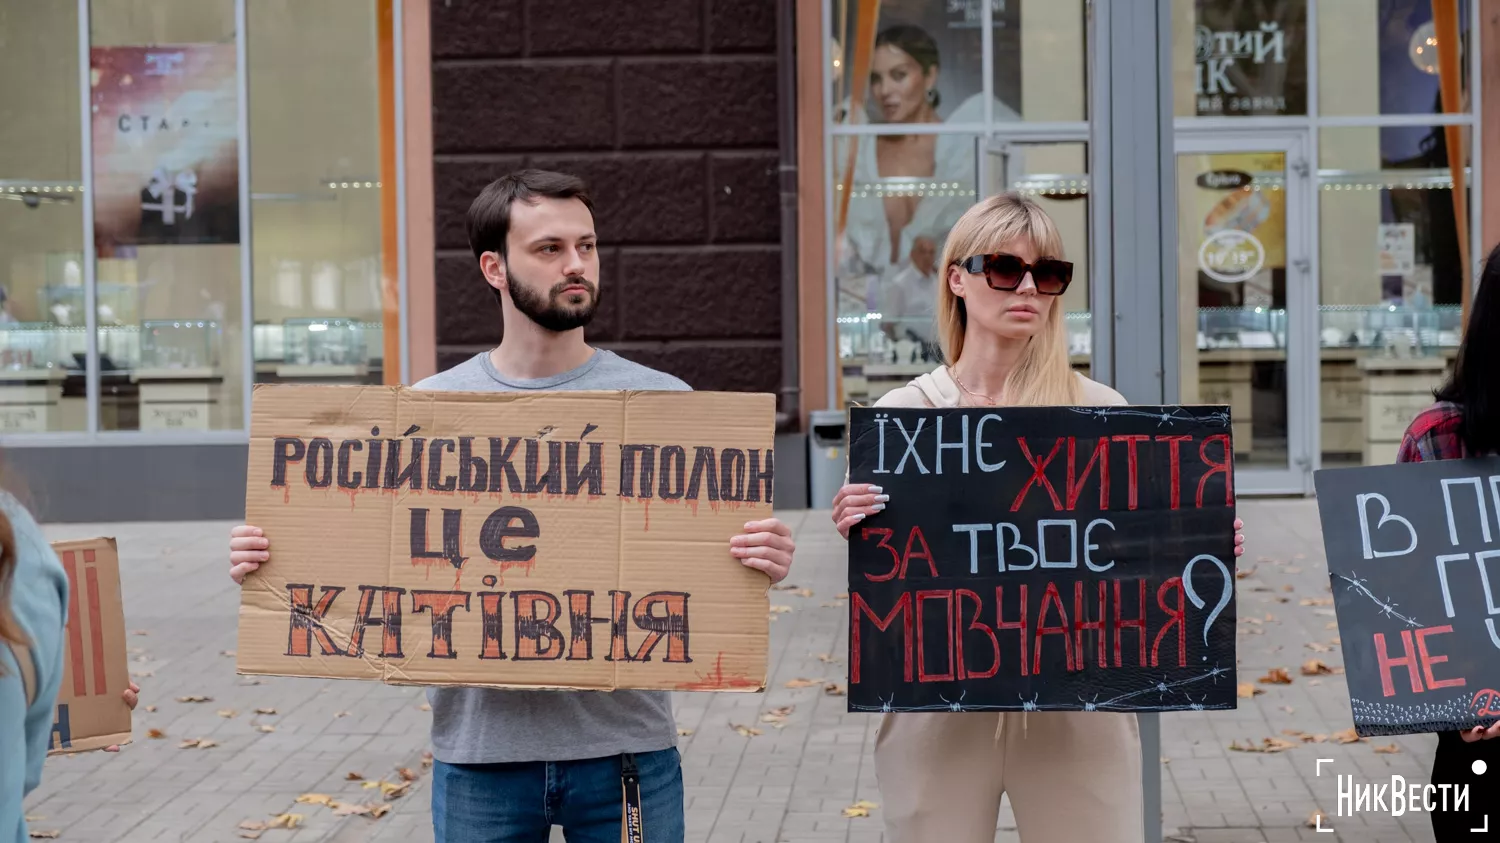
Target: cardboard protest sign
90,712
1414,563
1045,558
555,540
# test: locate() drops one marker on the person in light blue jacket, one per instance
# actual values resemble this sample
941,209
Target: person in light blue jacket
33,618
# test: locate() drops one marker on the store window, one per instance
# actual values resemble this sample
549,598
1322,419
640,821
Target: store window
1240,59
918,134
1394,209
1387,57
164,90
317,191
42,335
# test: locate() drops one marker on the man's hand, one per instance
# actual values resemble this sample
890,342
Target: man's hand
248,549
766,546
131,696
1479,733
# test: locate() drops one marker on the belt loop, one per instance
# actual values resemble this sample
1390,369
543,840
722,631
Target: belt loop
632,829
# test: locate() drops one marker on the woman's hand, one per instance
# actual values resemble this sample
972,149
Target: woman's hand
131,696
1479,733
767,547
248,550
854,503
1239,538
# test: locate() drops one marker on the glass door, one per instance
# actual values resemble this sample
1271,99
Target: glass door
1247,301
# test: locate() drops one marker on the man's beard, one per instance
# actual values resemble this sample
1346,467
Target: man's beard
547,310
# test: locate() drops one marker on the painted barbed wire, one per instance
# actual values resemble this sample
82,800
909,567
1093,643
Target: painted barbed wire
1387,608
1169,418
1120,703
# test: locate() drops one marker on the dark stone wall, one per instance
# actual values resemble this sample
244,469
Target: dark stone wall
668,108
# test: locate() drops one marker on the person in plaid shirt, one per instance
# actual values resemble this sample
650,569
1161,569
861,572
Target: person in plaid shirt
1465,422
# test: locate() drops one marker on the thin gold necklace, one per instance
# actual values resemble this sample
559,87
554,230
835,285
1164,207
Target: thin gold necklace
953,373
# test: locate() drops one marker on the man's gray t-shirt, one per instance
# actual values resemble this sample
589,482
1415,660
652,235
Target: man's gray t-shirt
490,726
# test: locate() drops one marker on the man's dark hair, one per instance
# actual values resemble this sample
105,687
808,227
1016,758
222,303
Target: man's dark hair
488,219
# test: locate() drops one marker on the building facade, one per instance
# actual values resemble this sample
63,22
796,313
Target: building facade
1276,205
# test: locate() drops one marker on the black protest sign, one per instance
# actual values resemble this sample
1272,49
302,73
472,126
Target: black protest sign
1044,558
1414,563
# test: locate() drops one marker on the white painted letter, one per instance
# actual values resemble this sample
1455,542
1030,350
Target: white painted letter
973,530
1088,546
1385,516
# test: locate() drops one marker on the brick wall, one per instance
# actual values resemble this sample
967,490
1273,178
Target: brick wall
668,109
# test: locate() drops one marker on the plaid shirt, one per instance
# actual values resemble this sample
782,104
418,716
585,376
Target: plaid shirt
1434,435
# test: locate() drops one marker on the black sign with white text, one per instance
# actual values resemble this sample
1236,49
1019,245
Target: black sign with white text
1043,559
1414,563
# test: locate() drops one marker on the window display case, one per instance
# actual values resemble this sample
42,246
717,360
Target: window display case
32,369
323,349
179,378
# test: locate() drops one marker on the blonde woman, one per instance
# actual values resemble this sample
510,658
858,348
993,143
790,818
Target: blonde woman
1071,776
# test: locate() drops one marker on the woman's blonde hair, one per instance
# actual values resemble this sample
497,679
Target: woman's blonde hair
1044,377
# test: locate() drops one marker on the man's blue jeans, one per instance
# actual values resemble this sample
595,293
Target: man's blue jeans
519,803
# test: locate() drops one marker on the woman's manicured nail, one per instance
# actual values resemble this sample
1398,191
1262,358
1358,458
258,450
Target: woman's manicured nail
876,489
878,507
859,517
882,498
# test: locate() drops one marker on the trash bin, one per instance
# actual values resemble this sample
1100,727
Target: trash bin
826,460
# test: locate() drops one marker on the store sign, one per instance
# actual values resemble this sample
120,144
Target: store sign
1224,179
1397,249
165,146
1250,57
1231,256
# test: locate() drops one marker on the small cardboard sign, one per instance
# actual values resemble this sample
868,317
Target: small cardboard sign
1043,559
1414,563
517,540
91,713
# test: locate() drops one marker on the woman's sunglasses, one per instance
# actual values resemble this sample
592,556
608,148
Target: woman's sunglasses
1005,272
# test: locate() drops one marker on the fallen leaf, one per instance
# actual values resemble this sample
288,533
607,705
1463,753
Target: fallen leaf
143,674
250,835
780,610
344,809
285,821
353,777
1270,618
1331,625
1265,745
1313,821
828,658
1337,641
745,731
265,727
265,711
424,707
1313,667
156,734
32,819
253,825
391,790
228,713
1389,749
151,708
314,799
1248,572
1247,690
371,785
378,811
1318,647
1276,676
1317,601
683,733
860,809
140,632
783,586
1327,613
1283,599
1348,736
803,683
197,743
804,592
1288,709
777,716
1288,588
37,834
834,604
338,714
834,689
229,653
1320,738
406,774
195,699
135,651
